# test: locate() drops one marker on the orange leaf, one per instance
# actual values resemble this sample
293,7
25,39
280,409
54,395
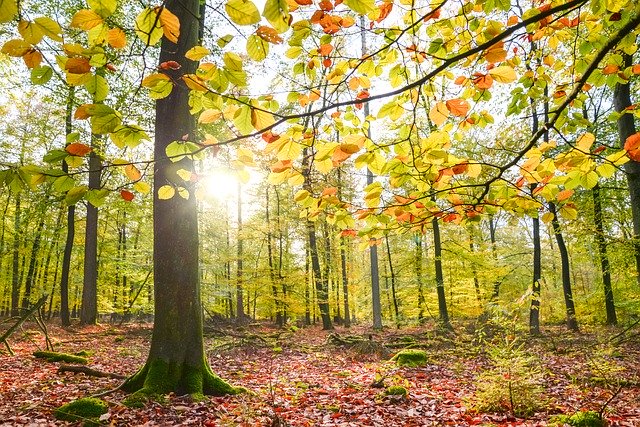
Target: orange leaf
632,146
564,195
326,5
349,233
460,80
281,166
32,59
82,112
458,107
132,172
77,65
482,81
169,65
127,195
304,2
635,69
329,191
610,69
78,149
270,137
170,24
495,53
385,10
325,49
117,38
268,34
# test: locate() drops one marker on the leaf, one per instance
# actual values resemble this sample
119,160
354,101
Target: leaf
170,25
126,195
74,195
257,48
85,19
209,115
77,66
32,59
41,75
361,6
482,81
503,74
142,187
242,12
269,34
16,48
495,53
128,136
98,87
564,195
458,107
159,85
166,192
196,53
585,141
147,27
439,113
632,147
8,9
277,13
132,172
103,8
78,149
117,38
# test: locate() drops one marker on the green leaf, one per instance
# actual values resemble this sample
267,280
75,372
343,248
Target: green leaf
8,9
242,120
242,12
103,8
63,183
74,195
177,150
54,156
49,28
128,136
103,119
232,61
277,13
98,87
224,40
257,48
148,27
361,6
96,197
41,75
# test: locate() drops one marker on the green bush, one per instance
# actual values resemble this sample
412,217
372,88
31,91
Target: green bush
580,419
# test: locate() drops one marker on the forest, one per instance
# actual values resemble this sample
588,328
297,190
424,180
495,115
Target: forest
320,212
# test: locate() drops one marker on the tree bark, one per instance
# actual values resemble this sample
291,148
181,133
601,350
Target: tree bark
240,312
604,258
15,266
626,128
534,311
442,300
572,322
31,269
176,361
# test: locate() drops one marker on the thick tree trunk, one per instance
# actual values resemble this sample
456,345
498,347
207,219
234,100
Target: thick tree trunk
442,300
15,265
89,310
626,128
176,361
572,322
474,269
419,279
494,253
604,257
31,269
71,231
392,276
240,312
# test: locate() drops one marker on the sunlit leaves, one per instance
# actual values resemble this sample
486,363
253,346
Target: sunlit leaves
196,53
41,75
268,34
242,12
16,48
117,38
277,13
178,150
166,192
33,32
128,136
361,6
159,85
75,194
458,107
8,9
78,149
632,147
98,87
132,172
148,27
127,195
503,74
86,19
439,113
104,119
103,8
170,24
257,47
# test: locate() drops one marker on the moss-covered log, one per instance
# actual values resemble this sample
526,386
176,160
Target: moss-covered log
53,356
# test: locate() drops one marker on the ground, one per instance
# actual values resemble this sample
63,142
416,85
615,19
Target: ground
308,378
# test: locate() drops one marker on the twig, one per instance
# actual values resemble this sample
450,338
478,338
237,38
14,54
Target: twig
89,371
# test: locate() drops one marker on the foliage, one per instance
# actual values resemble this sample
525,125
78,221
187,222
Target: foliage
87,409
580,419
513,384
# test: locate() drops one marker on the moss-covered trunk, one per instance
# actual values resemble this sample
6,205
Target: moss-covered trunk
176,361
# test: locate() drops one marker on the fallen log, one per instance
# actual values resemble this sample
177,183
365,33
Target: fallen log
89,371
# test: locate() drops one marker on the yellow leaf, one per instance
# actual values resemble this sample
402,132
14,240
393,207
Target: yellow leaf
132,172
242,12
439,113
261,119
585,142
196,53
194,82
103,7
503,74
142,187
547,217
8,9
117,38
147,28
16,48
474,170
184,174
85,19
166,192
209,116
183,192
170,25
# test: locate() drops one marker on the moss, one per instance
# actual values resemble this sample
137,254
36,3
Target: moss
396,390
158,377
83,353
580,419
52,356
411,358
87,409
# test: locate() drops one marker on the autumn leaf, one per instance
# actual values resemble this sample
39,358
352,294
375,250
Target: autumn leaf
196,53
8,9
503,74
269,34
127,195
170,24
610,69
78,149
495,53
242,12
632,147
385,9
439,113
132,172
16,48
458,107
482,81
117,38
325,49
86,19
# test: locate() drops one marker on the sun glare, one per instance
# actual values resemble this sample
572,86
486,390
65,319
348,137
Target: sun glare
220,185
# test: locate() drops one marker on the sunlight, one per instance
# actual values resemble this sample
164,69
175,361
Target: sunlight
220,184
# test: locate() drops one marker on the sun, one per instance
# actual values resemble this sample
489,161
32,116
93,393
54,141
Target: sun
221,185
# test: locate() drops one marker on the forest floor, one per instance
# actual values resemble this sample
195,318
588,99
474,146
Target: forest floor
308,377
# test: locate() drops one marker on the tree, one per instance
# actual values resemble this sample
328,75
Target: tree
176,360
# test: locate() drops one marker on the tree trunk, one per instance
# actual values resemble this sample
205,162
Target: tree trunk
534,311
604,258
15,266
442,301
31,269
240,312
494,253
272,269
572,322
176,361
474,269
626,128
418,271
